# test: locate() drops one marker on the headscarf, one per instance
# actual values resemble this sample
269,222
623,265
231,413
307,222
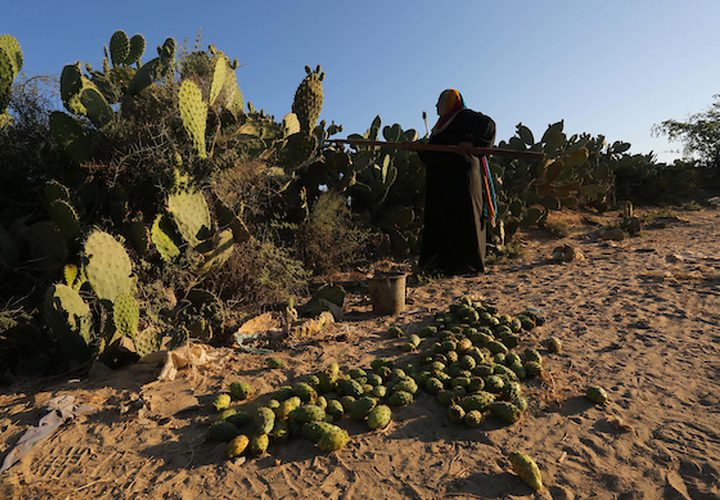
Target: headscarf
452,101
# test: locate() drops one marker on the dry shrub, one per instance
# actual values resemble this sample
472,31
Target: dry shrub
330,240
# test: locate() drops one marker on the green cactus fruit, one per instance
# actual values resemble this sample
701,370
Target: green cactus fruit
414,340
147,341
395,332
512,358
456,414
476,384
379,417
474,418
222,402
274,363
494,383
347,402
258,445
287,406
273,404
512,390
362,407
526,469
308,101
527,322
446,397
433,385
483,369
119,47
239,418
357,373
333,440
280,433
553,345
137,48
193,112
191,214
374,379
321,402
478,401
283,393
313,431
222,432
66,312
335,409
307,413
520,402
165,246
305,392
596,394
379,391
226,414
532,355
69,135
496,347
398,373
126,314
220,71
505,411
464,345
240,391
237,446
428,331
350,387
400,398
108,266
313,381
406,384
378,363
499,358
533,368
505,372
509,340
467,362
264,420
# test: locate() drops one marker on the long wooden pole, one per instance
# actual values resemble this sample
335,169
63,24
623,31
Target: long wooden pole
420,146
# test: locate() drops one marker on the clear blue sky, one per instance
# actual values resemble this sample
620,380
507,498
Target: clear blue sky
615,67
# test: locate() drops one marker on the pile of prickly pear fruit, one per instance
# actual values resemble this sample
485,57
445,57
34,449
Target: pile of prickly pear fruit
467,362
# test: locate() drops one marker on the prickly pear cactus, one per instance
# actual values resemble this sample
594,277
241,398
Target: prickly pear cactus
526,468
66,312
137,48
119,48
164,244
191,215
65,218
11,61
126,314
596,394
193,112
11,47
309,99
379,417
147,341
108,267
237,446
220,70
333,440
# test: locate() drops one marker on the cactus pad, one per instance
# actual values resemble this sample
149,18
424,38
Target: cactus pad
309,99
69,135
379,417
97,108
65,218
193,112
240,390
333,440
218,82
11,47
137,48
147,341
526,468
119,47
108,266
126,314
164,244
264,420
66,312
191,215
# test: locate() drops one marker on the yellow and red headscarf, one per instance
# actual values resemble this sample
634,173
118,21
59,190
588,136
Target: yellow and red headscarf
449,103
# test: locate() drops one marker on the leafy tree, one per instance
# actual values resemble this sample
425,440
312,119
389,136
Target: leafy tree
700,134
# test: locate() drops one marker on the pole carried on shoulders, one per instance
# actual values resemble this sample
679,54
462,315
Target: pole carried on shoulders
440,148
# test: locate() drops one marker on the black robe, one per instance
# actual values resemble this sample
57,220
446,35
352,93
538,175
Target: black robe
454,232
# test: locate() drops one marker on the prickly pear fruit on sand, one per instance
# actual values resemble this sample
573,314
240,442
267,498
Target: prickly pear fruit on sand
596,394
264,420
350,387
553,345
222,402
379,392
286,407
533,368
400,398
274,363
313,431
395,332
280,433
478,401
407,384
333,440
526,468
240,390
473,418
362,407
238,418
379,417
335,409
237,446
305,392
507,412
494,383
347,402
308,413
222,432
258,444
456,413
433,385
532,355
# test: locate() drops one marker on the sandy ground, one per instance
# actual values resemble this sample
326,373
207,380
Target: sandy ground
640,317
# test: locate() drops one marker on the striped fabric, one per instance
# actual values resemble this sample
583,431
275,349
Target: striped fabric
489,200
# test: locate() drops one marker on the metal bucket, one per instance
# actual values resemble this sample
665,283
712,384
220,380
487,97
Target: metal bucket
387,292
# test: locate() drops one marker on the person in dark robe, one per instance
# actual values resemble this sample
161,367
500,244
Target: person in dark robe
459,200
